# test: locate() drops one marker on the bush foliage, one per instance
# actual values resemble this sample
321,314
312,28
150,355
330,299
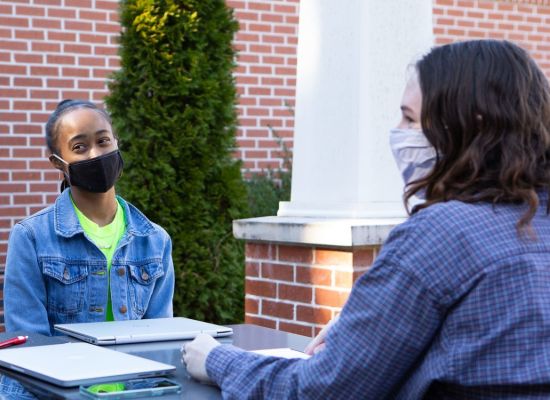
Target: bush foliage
172,104
267,188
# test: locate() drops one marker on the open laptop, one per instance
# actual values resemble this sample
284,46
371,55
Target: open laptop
141,330
74,364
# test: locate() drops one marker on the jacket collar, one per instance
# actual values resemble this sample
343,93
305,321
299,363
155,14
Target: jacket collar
66,221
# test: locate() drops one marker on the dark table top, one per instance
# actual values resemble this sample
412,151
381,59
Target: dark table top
248,337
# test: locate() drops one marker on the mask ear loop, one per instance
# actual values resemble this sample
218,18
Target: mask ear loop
65,182
60,159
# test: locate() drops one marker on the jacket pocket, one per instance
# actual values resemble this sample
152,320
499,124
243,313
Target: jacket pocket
65,285
142,284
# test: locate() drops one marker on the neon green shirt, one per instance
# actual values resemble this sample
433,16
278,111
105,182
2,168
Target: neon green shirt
106,238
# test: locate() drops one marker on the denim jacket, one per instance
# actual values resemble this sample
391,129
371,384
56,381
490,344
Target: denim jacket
56,274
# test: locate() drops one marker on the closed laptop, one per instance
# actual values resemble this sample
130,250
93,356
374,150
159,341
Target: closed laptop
142,330
74,364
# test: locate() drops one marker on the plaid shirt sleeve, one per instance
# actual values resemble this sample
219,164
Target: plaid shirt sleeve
387,322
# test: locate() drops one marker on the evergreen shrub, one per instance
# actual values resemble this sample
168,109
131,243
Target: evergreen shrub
173,107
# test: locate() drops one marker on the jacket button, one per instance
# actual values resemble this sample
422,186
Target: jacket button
66,275
123,309
121,271
144,275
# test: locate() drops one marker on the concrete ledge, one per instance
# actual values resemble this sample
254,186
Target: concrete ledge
333,232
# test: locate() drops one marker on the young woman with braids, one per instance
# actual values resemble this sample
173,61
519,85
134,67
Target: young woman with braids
457,304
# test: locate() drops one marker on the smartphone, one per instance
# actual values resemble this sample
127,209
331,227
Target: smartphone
131,389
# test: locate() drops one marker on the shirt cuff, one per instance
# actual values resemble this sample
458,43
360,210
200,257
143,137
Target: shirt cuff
219,360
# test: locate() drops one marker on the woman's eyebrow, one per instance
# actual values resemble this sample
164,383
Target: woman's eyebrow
83,136
80,136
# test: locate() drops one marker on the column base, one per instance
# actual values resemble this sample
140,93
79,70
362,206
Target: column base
300,271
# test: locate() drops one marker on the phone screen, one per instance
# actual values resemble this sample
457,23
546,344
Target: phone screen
131,388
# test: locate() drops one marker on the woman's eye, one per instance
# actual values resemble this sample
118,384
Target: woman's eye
104,141
79,147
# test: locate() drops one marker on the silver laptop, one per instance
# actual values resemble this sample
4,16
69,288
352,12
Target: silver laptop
73,364
141,330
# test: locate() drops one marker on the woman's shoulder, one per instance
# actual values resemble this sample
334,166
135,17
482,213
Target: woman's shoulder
33,227
455,226
449,217
37,219
452,241
456,217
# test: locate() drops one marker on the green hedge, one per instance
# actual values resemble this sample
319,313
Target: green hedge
173,107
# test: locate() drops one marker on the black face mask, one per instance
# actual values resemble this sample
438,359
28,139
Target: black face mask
96,175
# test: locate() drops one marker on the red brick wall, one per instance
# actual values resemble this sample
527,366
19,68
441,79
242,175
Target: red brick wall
526,23
266,79
297,288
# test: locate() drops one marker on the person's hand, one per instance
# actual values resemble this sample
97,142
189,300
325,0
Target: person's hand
194,354
318,343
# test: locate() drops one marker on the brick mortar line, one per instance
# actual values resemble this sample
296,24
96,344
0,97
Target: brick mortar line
245,21
292,302
270,86
275,318
265,74
325,267
76,41
284,118
505,21
76,18
299,284
286,301
262,33
61,42
278,319
61,66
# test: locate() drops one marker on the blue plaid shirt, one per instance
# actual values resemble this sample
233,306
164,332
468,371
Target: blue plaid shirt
457,305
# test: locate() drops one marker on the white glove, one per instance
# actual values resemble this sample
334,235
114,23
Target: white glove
318,343
194,354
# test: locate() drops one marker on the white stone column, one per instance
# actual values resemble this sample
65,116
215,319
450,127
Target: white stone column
352,61
352,69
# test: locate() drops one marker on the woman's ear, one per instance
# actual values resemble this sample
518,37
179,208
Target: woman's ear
56,162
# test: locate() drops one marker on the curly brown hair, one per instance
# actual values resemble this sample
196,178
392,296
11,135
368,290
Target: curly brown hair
486,110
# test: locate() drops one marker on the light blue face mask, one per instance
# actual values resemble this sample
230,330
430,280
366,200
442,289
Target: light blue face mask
414,155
